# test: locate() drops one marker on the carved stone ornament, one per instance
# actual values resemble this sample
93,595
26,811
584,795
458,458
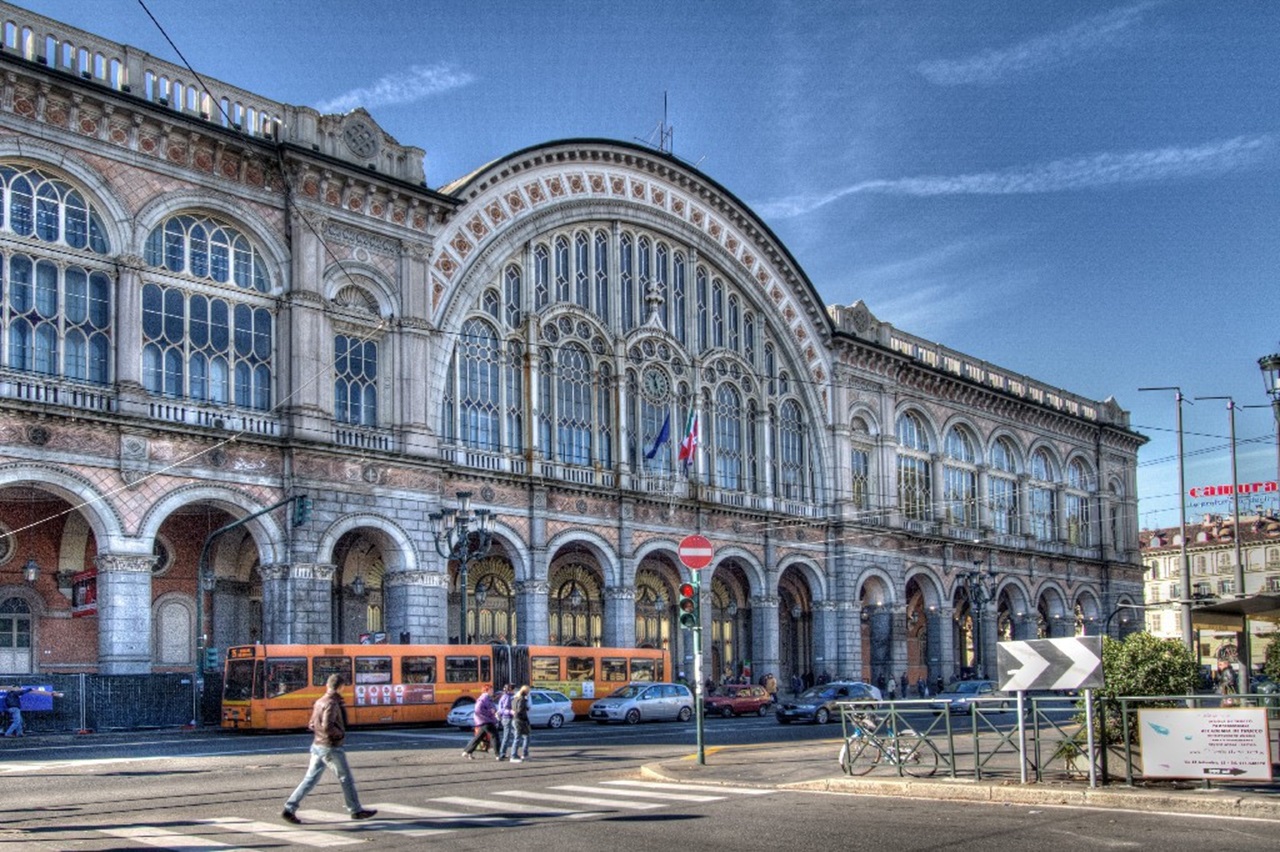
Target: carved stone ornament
426,579
123,564
360,137
38,435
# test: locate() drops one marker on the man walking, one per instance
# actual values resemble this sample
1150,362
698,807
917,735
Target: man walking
13,703
485,719
506,721
329,723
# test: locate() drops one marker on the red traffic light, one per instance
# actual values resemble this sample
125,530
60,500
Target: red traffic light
686,590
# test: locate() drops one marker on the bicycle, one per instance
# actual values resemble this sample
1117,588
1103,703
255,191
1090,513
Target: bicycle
864,750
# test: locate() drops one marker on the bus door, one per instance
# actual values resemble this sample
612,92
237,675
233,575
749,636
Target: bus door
510,665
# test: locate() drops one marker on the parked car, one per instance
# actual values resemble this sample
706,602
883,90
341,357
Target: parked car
547,709
821,703
959,696
738,699
638,702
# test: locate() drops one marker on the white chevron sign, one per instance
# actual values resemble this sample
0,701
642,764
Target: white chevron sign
1072,663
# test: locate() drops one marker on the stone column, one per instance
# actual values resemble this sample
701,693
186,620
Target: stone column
898,645
532,623
765,640
310,589
984,505
1062,627
128,331
417,604
277,608
937,646
948,663
620,617
1025,627
853,659
825,658
990,637
124,613
881,621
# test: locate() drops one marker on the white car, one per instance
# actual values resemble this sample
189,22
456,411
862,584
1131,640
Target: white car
547,709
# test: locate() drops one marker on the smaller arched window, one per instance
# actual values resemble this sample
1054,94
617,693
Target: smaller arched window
37,204
915,476
355,386
202,247
960,490
1043,508
1002,488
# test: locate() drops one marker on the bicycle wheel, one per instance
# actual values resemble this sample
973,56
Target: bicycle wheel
858,757
919,757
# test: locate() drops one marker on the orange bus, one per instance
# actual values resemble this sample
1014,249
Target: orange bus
272,687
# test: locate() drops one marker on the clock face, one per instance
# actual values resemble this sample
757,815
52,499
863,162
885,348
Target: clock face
655,385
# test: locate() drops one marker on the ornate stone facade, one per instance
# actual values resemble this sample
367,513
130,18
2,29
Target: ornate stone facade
542,335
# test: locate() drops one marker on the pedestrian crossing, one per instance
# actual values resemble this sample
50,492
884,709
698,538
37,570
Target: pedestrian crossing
434,817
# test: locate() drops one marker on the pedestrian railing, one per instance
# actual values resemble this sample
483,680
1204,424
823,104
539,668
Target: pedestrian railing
988,739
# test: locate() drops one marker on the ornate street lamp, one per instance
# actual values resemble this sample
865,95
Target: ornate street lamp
980,586
463,536
31,571
1270,366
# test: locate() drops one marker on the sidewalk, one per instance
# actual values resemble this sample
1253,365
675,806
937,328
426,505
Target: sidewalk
813,766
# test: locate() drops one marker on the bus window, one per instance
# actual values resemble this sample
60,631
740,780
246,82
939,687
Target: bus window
418,670
322,667
239,685
580,668
614,669
543,669
462,670
285,674
645,670
373,670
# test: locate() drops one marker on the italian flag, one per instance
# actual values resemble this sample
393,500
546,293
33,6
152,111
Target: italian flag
690,441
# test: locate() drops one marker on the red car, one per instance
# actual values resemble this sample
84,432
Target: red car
734,699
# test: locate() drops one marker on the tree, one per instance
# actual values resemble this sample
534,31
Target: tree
1142,665
1271,666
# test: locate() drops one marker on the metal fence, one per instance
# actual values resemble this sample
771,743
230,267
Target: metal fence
985,741
93,702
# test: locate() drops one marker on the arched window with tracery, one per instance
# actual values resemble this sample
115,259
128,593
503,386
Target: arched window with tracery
915,481
479,385
960,488
1002,488
208,330
1043,509
728,438
55,311
575,614
860,466
792,469
1076,508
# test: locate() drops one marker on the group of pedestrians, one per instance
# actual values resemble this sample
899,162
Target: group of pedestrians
504,722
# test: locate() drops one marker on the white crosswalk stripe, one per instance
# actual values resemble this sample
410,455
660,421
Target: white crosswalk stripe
164,838
644,794
579,800
275,831
691,788
436,816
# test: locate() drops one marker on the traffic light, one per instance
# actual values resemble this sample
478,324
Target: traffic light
688,605
212,659
301,510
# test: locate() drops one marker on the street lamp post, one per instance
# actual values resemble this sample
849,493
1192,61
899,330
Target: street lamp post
1106,625
1184,576
464,536
980,586
1270,366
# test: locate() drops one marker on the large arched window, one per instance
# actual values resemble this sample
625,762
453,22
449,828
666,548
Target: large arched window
915,482
1043,509
1076,508
207,333
791,460
573,405
55,315
1002,488
960,489
479,368
727,433
860,466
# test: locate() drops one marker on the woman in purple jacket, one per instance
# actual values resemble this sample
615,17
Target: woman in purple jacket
485,717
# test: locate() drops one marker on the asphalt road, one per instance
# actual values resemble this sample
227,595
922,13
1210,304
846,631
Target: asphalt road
581,790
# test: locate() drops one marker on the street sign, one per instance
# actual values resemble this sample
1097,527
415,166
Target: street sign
695,552
1072,663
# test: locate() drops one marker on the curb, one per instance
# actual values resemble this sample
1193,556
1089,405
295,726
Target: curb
1215,802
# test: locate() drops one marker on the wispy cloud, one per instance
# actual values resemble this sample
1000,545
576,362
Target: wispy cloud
1093,172
1040,53
413,84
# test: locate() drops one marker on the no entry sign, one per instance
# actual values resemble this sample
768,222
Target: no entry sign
695,552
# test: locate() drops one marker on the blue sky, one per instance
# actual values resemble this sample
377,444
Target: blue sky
1084,192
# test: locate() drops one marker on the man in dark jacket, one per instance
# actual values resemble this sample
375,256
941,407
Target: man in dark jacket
13,704
329,723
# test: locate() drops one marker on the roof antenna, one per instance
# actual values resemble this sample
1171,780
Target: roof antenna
664,132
